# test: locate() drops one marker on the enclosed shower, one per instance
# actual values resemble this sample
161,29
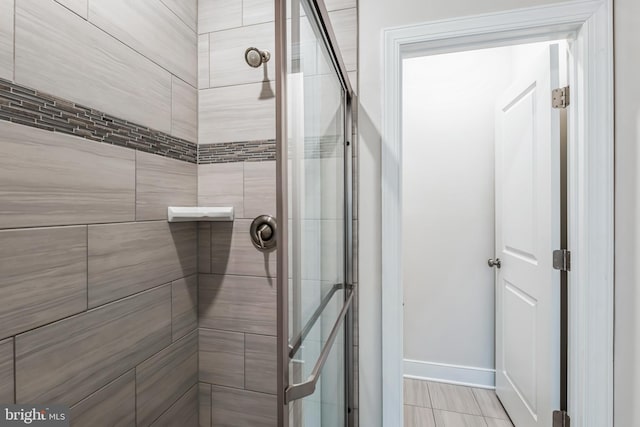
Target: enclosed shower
177,212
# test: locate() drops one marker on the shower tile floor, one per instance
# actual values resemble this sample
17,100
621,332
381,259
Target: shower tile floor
432,404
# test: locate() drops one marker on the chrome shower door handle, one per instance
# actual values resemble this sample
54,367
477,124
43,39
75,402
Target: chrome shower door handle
494,263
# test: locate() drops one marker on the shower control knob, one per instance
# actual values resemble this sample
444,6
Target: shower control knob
263,232
256,57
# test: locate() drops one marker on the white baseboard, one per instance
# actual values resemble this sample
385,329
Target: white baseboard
452,374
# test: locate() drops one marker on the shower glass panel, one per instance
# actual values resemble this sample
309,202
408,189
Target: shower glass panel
313,171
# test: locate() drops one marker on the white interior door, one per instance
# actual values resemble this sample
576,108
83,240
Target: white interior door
527,231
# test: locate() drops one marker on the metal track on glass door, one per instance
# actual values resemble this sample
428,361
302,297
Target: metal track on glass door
287,392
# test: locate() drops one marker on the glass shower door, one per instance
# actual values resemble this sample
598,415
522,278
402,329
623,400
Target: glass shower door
314,119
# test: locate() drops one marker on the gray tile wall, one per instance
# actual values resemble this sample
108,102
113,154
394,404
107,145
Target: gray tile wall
237,299
131,257
114,404
87,304
237,102
99,292
110,333
165,377
6,39
6,371
34,108
135,57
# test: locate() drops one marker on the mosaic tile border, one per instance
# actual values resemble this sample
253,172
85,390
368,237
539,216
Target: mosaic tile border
261,151
232,152
29,107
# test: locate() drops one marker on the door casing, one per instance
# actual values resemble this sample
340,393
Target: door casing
589,24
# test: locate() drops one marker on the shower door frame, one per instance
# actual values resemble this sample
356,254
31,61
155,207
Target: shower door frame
286,391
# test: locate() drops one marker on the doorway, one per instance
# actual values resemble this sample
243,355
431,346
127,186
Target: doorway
477,128
590,184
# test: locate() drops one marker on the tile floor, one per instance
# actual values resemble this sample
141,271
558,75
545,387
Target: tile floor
431,404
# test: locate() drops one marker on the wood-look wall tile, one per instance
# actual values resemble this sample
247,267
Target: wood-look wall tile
81,7
259,189
216,15
339,4
184,306
204,247
6,371
187,10
184,111
257,11
131,257
6,39
345,26
164,377
245,408
221,184
44,276
183,413
113,405
233,252
204,400
221,357
261,363
50,42
54,179
227,64
204,73
153,30
162,182
64,362
237,113
237,303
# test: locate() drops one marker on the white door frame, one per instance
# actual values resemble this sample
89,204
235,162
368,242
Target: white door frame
590,176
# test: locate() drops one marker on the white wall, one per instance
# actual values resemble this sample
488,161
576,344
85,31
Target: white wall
448,211
374,16
627,273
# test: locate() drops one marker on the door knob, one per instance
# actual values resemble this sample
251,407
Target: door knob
494,263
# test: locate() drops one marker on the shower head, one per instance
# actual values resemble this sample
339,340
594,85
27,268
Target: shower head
256,57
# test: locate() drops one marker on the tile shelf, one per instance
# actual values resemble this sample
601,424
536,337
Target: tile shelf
186,214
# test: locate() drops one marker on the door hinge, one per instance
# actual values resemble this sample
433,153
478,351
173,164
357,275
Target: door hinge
560,97
562,260
561,419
